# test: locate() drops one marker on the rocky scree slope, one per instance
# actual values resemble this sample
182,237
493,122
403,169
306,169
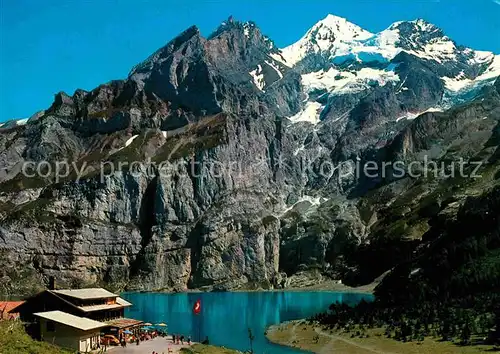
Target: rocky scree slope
338,97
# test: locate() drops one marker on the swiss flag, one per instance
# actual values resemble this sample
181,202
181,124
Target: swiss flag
197,307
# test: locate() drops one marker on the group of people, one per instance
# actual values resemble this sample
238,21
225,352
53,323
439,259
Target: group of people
179,339
137,338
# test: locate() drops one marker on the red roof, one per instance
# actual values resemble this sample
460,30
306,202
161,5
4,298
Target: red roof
6,307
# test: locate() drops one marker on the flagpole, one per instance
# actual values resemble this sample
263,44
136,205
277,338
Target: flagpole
197,313
199,328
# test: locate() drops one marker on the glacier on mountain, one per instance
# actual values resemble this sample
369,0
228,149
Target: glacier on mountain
342,82
461,82
338,57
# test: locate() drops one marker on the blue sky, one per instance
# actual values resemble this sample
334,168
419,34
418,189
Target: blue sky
50,46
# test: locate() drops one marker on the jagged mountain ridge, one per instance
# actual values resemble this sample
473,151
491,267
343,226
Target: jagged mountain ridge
225,98
225,57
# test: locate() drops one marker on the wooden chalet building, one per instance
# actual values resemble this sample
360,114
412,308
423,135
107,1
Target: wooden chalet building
95,303
75,318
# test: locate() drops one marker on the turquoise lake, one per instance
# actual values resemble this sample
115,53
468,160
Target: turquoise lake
226,316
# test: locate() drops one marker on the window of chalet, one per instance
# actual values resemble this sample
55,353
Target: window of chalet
50,326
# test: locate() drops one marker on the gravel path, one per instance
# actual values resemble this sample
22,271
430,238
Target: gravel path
159,345
328,348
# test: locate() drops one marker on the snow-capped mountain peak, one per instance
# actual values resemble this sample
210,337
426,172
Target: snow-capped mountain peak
340,40
423,39
417,27
336,57
424,25
337,39
327,35
342,29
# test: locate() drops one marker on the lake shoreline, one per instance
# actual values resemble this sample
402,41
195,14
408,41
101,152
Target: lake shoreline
313,337
326,286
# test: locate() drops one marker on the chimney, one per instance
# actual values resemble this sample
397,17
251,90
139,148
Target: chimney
52,283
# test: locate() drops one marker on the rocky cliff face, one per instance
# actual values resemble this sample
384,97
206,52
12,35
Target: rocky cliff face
225,162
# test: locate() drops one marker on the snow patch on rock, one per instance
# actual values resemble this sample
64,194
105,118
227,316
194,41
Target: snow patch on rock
299,150
413,115
279,58
275,68
14,123
131,140
304,201
258,77
310,113
22,121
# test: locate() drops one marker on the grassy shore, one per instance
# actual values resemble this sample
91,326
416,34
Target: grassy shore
207,349
300,334
14,340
